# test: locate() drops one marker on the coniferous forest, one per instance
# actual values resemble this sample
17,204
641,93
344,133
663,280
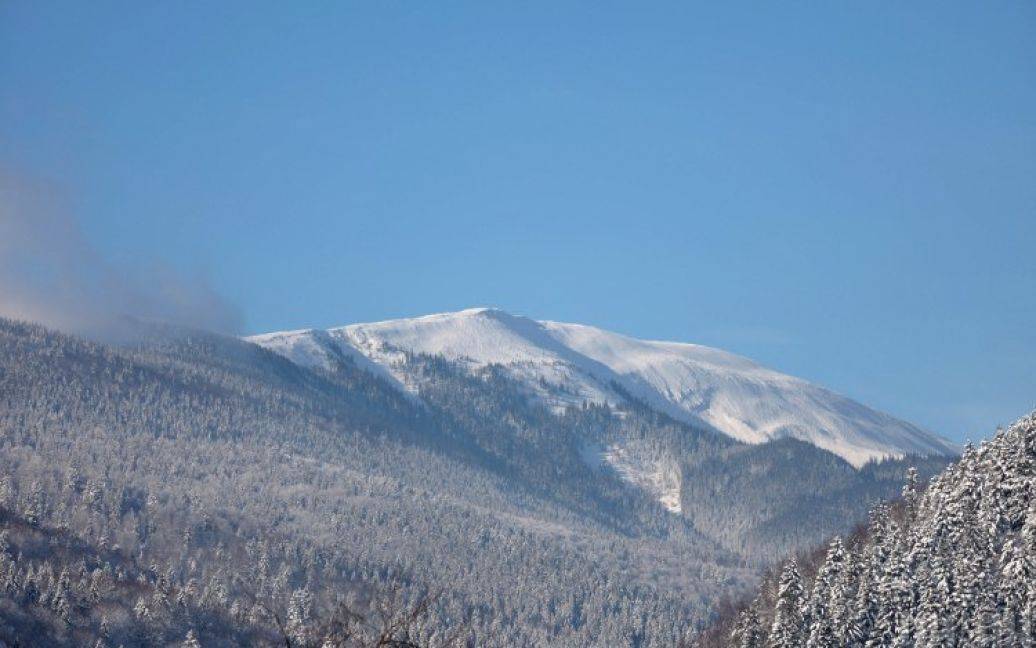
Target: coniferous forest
954,565
184,488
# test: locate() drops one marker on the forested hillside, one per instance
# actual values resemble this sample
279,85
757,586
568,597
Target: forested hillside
192,484
952,566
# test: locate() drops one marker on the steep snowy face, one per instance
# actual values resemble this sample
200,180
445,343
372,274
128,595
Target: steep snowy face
572,363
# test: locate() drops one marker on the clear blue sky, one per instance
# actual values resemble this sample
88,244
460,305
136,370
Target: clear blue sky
844,193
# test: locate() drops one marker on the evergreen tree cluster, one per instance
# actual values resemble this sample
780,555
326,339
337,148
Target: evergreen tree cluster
954,566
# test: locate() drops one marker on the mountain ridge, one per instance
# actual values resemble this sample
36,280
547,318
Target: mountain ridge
567,364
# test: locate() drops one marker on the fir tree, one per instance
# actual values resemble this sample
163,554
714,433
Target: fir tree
826,599
787,630
748,632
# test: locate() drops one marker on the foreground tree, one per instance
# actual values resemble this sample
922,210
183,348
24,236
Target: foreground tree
787,630
954,566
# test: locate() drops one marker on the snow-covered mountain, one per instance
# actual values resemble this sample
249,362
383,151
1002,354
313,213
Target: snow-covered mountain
571,363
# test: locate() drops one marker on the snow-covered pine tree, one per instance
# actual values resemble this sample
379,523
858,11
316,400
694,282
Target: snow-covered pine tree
787,630
844,595
748,631
872,575
826,602
894,602
910,495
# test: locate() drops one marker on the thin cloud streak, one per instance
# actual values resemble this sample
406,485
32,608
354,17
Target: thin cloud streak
50,273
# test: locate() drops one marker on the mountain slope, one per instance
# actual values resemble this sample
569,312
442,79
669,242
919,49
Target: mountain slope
570,363
209,472
210,484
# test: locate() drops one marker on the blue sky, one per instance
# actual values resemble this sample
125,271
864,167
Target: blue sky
843,193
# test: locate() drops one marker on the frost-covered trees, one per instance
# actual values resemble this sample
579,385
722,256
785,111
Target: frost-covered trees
300,609
787,630
748,633
952,566
198,482
198,485
827,604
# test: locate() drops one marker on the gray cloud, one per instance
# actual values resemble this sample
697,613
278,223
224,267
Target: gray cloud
50,273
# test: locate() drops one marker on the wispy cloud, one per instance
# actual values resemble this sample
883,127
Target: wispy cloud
51,273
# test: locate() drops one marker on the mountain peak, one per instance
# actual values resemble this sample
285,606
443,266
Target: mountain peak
568,364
